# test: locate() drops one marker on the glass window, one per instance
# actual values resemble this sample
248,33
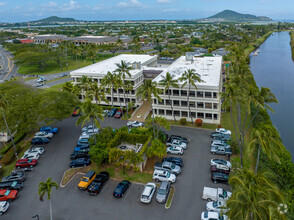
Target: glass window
200,115
168,112
155,101
175,92
208,95
176,103
167,102
177,113
214,105
200,105
192,104
214,95
183,93
199,94
161,102
193,114
215,116
184,114
192,93
161,112
184,103
208,105
208,116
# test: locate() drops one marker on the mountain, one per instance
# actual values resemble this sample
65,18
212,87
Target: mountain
54,19
229,15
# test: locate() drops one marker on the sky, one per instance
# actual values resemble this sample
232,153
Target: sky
30,10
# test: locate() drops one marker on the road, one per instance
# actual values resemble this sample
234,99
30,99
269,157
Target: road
73,204
49,77
8,68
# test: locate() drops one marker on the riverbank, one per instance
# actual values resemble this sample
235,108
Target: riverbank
292,43
254,45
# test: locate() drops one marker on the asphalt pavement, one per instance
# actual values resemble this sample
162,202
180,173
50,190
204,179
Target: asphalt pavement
8,68
55,76
71,203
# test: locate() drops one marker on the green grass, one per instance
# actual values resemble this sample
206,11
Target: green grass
134,177
56,87
52,80
292,44
251,47
170,197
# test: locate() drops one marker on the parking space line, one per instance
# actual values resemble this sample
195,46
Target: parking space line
128,191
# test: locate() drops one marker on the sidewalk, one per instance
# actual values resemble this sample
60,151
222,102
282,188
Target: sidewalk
141,111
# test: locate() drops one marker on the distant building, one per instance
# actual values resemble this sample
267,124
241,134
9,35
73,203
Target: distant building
26,41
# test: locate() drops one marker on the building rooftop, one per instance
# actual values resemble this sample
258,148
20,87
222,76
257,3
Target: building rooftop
209,68
101,68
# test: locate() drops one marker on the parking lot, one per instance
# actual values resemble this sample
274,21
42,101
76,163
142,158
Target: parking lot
71,203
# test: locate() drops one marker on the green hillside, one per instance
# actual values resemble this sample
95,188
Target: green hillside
229,15
53,19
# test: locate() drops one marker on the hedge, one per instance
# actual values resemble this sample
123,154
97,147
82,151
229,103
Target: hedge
8,157
145,146
127,137
17,139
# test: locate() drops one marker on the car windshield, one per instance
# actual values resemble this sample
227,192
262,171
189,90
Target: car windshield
14,184
144,197
167,175
29,161
214,204
85,179
7,192
161,192
172,166
225,193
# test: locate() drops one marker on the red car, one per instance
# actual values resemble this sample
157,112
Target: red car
76,112
22,163
215,168
119,113
7,194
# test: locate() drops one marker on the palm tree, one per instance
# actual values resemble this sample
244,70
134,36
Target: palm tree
123,70
254,196
190,78
98,93
86,84
266,140
3,108
128,86
168,81
46,187
146,91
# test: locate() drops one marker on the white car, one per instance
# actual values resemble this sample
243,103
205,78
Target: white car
44,134
178,143
148,192
39,150
41,79
89,127
160,175
175,150
91,132
216,206
84,136
221,162
134,124
213,215
224,131
4,205
31,156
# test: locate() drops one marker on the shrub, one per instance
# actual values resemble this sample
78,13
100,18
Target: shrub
219,126
8,157
198,122
183,121
234,145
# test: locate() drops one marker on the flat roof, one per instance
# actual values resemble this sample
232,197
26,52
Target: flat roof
209,68
102,67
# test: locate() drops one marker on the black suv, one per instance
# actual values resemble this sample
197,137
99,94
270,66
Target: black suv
176,137
12,185
175,160
217,177
98,183
17,175
79,154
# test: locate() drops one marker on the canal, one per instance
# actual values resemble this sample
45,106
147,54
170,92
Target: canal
273,67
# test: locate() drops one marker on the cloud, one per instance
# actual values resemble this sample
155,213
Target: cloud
130,4
163,1
2,4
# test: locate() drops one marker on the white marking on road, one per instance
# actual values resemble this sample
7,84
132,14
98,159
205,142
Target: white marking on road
128,191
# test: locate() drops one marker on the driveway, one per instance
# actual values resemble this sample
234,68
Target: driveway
71,203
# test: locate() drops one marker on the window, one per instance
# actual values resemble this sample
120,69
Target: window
184,114
208,116
167,102
175,92
200,115
214,95
200,105
183,93
121,91
155,101
177,113
109,99
208,95
155,111
193,114
115,99
121,99
134,100
161,102
168,91
208,105
96,80
199,94
169,112
184,103
215,116
161,112
192,93
192,104
176,103
214,105
114,91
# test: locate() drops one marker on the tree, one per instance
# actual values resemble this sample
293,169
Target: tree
128,86
46,188
86,84
168,81
190,78
98,93
147,91
254,197
156,150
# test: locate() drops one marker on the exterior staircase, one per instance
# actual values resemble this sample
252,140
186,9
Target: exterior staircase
142,111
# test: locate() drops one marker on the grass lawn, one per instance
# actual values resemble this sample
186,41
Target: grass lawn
258,42
52,80
56,87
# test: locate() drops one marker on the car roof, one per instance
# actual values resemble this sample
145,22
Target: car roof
163,185
147,190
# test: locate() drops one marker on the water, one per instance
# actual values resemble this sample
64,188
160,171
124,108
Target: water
274,68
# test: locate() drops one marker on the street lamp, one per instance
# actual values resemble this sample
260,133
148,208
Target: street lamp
36,216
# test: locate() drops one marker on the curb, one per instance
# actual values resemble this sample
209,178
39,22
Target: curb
204,129
171,198
78,173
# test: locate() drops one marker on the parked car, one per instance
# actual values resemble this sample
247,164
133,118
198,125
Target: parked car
105,112
215,141
213,194
217,177
63,75
49,129
176,160
79,154
98,183
160,175
168,166
12,185
163,191
220,162
16,175
175,150
221,150
43,134
41,79
35,156
134,124
39,84
4,205
23,163
148,192
220,169
39,150
87,180
177,143
90,132
76,112
224,131
216,206
90,127
219,143
121,188
81,162
213,216
7,194
83,141
220,136
81,147
118,114
40,140
177,137
112,112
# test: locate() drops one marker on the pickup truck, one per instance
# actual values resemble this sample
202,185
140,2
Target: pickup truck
213,194
168,166
221,150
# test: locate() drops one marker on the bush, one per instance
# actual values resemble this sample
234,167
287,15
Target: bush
198,122
16,139
8,157
219,126
183,121
234,145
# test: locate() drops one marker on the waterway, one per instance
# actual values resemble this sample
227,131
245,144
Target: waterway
273,67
